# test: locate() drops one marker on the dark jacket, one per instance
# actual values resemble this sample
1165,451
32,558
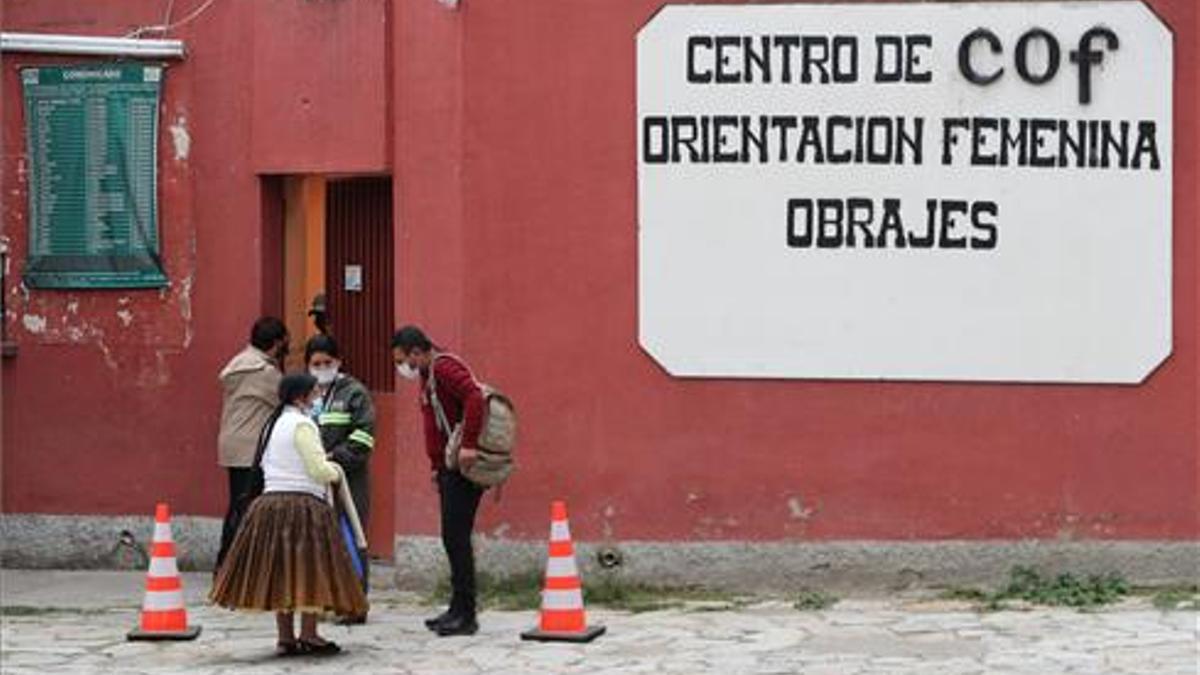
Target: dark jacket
347,423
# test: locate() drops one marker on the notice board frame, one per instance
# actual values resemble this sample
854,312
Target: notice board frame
92,139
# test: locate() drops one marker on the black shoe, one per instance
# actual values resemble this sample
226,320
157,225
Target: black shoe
326,648
433,623
458,625
351,620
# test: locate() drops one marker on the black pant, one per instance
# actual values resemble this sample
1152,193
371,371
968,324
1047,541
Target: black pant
459,502
239,484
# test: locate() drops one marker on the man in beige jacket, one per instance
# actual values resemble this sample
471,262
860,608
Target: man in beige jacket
250,382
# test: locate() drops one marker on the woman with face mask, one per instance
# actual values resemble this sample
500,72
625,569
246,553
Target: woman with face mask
345,414
288,554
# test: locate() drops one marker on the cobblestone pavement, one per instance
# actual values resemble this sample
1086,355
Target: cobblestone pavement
75,622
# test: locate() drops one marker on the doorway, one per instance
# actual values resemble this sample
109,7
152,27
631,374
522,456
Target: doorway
332,237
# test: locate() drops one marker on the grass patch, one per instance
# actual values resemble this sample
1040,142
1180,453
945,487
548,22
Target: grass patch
637,597
1064,590
511,592
523,591
1174,598
25,610
810,600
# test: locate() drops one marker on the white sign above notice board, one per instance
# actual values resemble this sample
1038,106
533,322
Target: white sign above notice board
926,191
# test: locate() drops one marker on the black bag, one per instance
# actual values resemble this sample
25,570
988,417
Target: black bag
241,502
257,480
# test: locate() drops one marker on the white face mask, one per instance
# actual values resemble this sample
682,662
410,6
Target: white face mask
406,371
324,375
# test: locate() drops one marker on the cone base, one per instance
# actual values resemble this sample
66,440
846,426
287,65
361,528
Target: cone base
189,633
587,635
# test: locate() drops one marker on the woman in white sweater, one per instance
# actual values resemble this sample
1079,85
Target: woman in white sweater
288,554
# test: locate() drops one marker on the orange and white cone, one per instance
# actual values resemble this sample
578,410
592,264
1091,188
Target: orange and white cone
163,614
563,618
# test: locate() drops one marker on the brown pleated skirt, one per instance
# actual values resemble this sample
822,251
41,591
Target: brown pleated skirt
288,556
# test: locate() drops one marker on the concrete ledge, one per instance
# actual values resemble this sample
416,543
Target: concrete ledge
94,542
846,566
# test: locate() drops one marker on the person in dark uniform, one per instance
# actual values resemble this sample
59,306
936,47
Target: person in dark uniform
345,413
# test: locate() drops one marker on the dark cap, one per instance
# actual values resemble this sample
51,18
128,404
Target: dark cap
318,305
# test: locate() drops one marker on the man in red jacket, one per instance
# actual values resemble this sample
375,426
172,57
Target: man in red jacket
446,381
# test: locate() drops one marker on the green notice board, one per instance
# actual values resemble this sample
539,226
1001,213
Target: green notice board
92,136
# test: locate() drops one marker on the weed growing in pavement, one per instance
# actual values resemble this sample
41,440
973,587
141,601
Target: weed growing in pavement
1174,598
637,597
810,600
11,611
522,591
510,592
1065,590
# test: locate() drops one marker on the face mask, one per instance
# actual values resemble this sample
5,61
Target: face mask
324,375
406,371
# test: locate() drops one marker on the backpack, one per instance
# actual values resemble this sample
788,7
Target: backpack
497,433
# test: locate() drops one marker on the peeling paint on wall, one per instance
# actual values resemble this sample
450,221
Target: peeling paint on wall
34,324
185,308
798,510
125,316
181,140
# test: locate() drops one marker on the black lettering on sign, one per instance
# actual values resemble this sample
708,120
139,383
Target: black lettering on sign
803,237
914,61
654,145
889,54
845,59
892,223
967,67
857,222
1086,57
1052,56
986,227
694,74
829,223
724,74
950,207
859,213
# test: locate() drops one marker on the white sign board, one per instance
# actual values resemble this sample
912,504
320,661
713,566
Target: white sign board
968,191
353,278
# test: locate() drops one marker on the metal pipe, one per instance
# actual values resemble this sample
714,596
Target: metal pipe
46,43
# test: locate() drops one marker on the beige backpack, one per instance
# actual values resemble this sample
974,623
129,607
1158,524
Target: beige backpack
497,434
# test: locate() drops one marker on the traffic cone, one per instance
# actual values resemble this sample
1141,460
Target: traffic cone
563,618
163,614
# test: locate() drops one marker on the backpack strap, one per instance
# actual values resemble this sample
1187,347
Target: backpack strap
264,437
438,411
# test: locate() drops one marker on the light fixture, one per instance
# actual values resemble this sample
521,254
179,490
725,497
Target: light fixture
45,43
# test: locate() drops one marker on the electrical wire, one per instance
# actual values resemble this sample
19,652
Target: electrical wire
165,27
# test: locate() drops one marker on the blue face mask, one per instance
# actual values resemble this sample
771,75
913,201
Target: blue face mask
315,409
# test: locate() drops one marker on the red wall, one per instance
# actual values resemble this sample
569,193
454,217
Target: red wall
510,128
547,309
104,418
